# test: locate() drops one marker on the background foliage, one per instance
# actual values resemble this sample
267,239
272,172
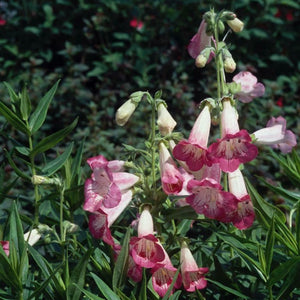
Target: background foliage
101,59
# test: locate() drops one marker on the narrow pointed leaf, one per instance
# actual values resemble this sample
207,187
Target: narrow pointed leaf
13,119
104,288
167,295
58,162
25,106
143,290
270,246
120,270
78,276
76,163
228,289
88,294
38,117
53,139
12,95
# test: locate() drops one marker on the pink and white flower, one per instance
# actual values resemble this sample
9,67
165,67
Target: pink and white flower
192,275
250,88
234,148
171,178
107,185
207,198
193,151
165,121
244,215
101,220
162,276
146,250
200,41
276,135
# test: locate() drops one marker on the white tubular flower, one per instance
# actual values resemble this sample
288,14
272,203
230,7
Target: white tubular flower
165,121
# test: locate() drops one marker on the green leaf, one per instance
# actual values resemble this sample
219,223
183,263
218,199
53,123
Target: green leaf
105,289
121,266
167,295
283,269
58,162
13,119
51,140
78,276
16,234
266,209
228,289
7,273
143,289
270,246
25,106
76,163
14,99
88,294
39,115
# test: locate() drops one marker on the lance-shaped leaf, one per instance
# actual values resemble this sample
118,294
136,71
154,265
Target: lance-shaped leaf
14,99
51,140
13,119
58,162
38,117
25,106
121,266
104,288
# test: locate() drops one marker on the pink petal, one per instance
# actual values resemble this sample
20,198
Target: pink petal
124,180
258,90
115,165
92,200
199,41
97,162
113,196
244,216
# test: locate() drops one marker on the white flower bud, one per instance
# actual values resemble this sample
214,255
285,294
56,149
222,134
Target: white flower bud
165,121
236,25
125,111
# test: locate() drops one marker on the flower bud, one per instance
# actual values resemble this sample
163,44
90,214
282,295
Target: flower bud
125,111
221,26
236,25
165,121
38,179
200,61
229,65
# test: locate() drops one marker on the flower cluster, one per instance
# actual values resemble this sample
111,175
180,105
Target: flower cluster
193,169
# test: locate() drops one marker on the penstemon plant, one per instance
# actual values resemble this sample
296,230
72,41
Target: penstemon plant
177,219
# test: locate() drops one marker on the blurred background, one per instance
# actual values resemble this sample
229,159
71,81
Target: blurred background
104,50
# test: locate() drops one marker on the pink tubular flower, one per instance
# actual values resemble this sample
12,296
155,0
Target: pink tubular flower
243,216
172,180
101,220
276,135
146,250
107,185
162,276
193,151
250,88
199,41
5,246
208,199
235,146
192,275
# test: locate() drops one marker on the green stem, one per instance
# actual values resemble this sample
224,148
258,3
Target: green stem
153,151
61,213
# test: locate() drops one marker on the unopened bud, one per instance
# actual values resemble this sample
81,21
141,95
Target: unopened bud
125,111
221,26
236,25
38,179
229,65
165,121
200,61
70,227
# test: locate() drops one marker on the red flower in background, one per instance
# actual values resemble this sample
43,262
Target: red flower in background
279,102
135,23
289,15
2,22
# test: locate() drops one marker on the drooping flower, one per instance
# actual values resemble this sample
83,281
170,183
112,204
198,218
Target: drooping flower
250,88
5,246
107,185
234,148
165,121
193,151
243,216
162,276
172,180
200,41
101,220
146,250
192,275
276,135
